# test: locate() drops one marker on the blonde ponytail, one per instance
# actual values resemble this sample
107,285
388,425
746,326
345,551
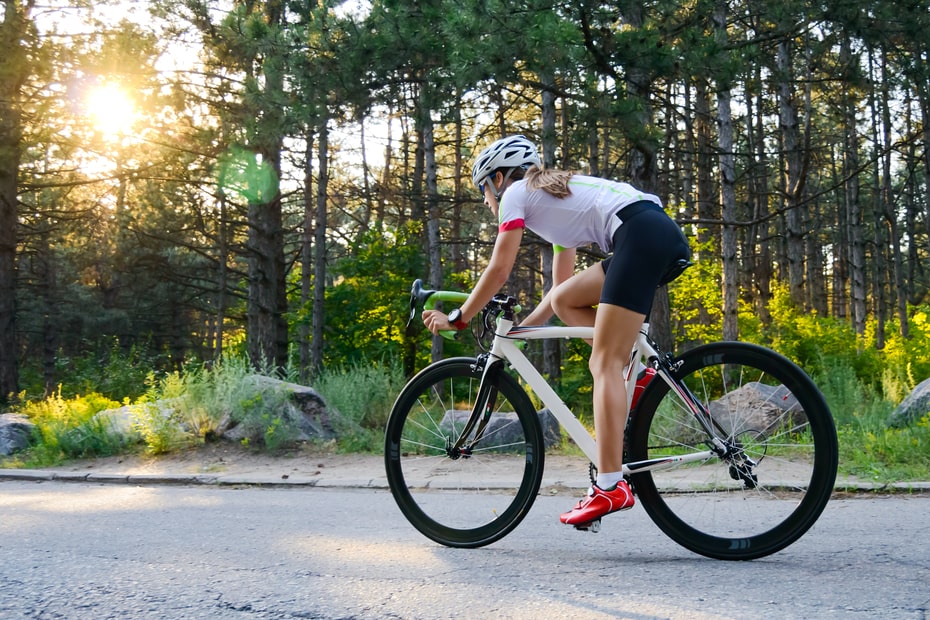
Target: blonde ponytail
554,182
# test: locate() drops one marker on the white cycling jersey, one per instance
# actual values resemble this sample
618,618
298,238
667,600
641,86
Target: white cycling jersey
585,216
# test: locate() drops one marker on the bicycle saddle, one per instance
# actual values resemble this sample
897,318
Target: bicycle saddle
677,268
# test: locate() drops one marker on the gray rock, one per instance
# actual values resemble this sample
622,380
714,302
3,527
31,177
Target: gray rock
305,412
757,407
504,426
912,408
16,433
120,422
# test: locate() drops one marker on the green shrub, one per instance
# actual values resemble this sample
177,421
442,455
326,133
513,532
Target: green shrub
870,449
112,371
160,428
696,298
875,452
194,398
906,361
264,414
363,396
575,387
849,399
203,397
70,428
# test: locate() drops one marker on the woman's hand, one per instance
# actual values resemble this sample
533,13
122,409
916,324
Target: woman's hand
436,321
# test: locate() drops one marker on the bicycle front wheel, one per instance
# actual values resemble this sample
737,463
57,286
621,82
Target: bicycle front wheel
470,497
774,477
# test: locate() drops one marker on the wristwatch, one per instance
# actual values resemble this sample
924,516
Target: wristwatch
455,319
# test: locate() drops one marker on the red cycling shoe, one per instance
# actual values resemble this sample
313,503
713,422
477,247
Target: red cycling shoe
598,503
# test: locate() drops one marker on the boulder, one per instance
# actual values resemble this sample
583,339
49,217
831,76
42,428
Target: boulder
16,433
120,422
912,408
305,408
503,426
761,408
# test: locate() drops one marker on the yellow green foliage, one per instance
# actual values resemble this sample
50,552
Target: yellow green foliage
696,299
70,427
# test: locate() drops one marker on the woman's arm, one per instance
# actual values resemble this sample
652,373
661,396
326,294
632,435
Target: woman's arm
563,265
494,277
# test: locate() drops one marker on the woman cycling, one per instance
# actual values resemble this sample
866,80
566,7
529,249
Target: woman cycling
614,296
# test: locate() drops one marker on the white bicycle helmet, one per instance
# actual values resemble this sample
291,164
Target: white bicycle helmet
509,152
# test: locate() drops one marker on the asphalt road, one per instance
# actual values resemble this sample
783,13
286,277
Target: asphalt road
76,550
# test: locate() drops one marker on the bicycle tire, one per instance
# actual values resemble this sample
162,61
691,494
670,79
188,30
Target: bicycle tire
780,420
472,500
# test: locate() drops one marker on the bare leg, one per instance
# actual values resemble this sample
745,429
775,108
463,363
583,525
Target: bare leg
615,333
574,300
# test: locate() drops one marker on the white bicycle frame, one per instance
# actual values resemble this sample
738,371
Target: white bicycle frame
504,347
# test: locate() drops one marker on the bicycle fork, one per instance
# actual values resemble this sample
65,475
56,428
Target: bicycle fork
480,415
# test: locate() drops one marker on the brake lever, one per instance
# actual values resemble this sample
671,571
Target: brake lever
419,297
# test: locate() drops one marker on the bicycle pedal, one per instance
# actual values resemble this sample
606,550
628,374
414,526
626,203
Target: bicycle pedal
591,526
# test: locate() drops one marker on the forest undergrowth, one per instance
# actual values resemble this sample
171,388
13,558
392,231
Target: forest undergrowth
181,410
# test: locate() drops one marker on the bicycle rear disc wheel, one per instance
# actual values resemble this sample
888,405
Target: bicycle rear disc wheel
780,467
465,499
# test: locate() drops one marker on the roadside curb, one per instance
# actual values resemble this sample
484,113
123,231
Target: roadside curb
875,487
37,475
358,482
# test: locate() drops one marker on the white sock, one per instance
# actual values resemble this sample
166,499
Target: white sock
608,480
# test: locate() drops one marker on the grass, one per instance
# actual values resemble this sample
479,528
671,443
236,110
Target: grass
181,410
362,395
869,448
69,428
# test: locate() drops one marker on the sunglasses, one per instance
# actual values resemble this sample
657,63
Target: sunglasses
491,185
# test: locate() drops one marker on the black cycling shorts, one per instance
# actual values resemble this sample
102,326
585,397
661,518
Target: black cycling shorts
646,246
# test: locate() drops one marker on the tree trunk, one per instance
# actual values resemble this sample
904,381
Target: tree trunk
789,126
839,281
51,319
319,249
459,192
387,179
267,306
266,284
814,241
14,68
760,289
891,217
727,188
916,284
222,277
855,232
306,263
880,243
552,348
705,204
642,168
924,93
430,201
367,214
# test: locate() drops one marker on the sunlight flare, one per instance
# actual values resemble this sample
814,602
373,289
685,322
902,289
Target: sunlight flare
112,110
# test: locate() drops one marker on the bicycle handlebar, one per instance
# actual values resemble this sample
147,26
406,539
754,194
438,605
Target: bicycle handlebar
427,299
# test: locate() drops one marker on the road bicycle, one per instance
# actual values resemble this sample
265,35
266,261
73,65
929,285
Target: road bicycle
730,448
